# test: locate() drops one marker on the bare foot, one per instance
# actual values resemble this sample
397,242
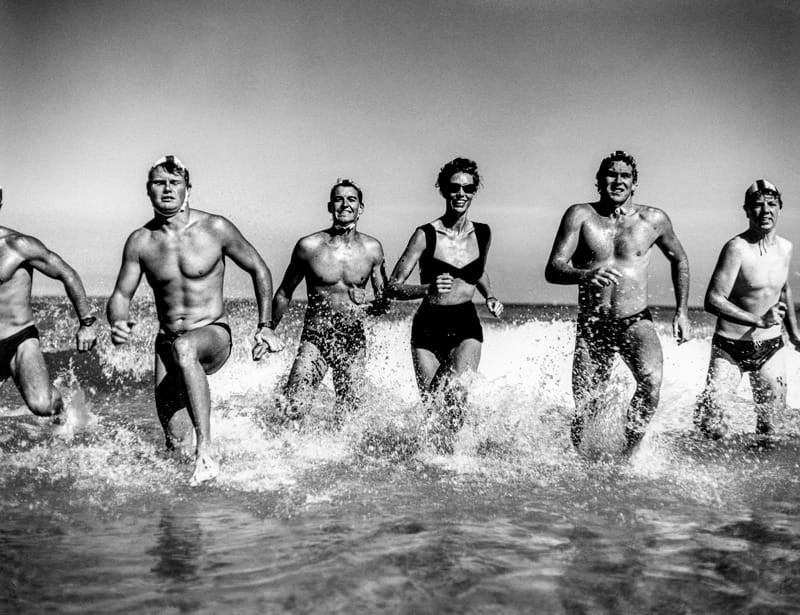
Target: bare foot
205,469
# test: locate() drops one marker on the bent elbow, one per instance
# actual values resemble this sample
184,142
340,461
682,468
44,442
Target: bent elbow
551,274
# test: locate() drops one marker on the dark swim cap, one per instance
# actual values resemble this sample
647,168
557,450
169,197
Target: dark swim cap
760,187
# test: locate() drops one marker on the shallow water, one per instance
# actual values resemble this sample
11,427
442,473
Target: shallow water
97,518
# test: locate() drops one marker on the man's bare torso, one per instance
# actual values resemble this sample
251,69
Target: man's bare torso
15,285
623,242
336,269
185,269
763,271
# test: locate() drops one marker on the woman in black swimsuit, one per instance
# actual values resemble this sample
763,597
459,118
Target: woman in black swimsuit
446,335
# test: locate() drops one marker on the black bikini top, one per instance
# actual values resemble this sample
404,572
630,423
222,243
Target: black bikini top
430,267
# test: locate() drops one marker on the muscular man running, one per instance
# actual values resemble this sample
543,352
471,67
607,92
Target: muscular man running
20,353
605,247
750,295
182,253
336,264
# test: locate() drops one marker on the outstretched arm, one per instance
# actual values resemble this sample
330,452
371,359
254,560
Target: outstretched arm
397,288
53,266
379,285
118,308
484,286
291,279
790,319
249,260
669,244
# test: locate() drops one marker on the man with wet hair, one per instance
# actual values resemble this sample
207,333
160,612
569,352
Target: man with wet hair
20,352
604,247
182,253
336,264
750,295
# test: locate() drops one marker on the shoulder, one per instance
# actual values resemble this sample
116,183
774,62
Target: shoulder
25,245
370,242
309,244
578,212
735,247
784,244
212,222
655,217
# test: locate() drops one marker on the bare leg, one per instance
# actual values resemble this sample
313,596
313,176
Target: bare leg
590,370
426,365
196,353
769,392
307,372
348,382
723,375
463,358
30,374
170,395
641,352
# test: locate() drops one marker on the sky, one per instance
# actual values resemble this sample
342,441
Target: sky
268,103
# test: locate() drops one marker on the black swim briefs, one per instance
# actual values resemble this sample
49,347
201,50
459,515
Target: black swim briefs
606,334
749,355
165,340
337,336
440,328
9,345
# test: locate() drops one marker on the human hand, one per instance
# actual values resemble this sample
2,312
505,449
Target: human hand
443,283
121,331
681,327
604,276
85,338
266,341
774,315
358,295
494,306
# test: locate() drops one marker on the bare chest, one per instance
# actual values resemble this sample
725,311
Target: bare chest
348,264
193,256
764,271
626,238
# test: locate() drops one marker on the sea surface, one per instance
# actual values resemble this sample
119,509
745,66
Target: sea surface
95,517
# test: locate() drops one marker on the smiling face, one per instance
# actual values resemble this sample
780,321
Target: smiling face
345,206
168,192
458,192
763,211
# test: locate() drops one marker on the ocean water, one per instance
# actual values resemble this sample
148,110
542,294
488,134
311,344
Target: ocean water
97,518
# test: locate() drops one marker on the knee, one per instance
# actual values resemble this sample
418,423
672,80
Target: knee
43,403
184,352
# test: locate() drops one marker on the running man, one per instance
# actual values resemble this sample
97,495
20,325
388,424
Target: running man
605,247
20,353
182,253
336,264
750,295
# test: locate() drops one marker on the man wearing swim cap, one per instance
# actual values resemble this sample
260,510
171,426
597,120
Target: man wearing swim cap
20,352
750,295
336,264
182,253
605,247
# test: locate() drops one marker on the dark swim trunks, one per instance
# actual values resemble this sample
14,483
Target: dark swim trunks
606,335
440,328
165,340
337,336
749,355
9,345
